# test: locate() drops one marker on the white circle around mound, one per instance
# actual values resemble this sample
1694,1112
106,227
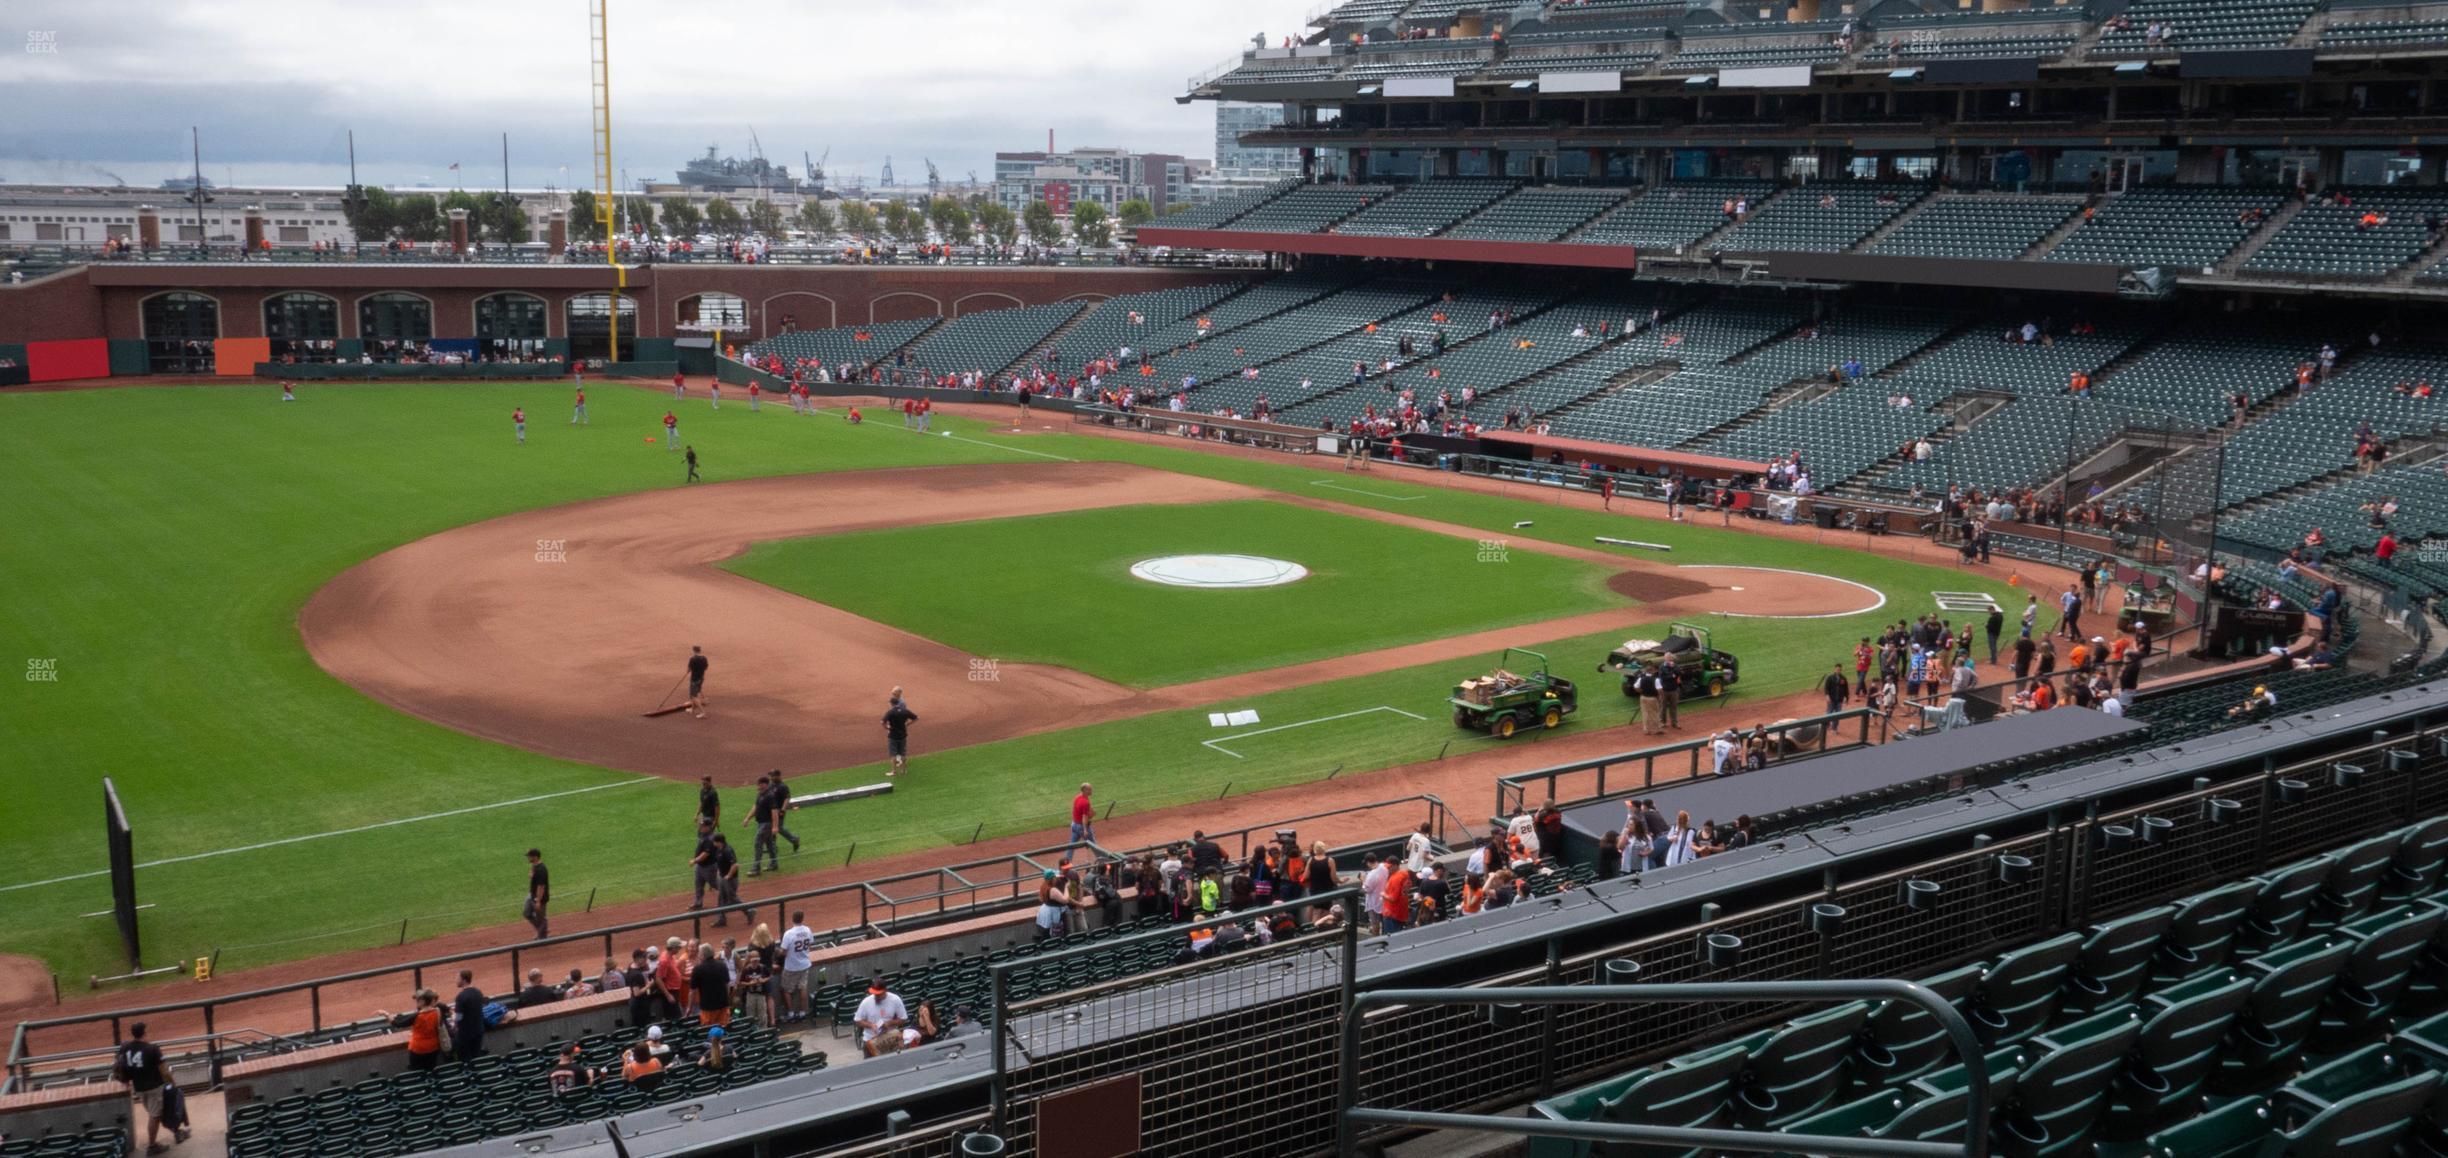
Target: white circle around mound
1219,571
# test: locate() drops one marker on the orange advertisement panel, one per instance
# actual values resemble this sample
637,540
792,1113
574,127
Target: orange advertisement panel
236,357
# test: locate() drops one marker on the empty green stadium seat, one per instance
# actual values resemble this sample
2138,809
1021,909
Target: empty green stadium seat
2116,960
2060,1095
2385,948
2420,863
2176,1053
1691,1091
2282,910
2356,874
1795,1071
2289,987
2203,934
2020,994
1904,1041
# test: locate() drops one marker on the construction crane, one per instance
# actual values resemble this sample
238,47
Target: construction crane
887,179
934,179
815,168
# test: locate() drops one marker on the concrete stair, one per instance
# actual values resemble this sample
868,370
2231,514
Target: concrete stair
2236,257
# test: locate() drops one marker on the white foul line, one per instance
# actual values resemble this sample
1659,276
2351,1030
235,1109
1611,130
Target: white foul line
334,832
1372,494
960,438
1218,745
1881,595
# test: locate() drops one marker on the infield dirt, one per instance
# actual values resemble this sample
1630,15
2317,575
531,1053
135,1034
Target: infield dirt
556,630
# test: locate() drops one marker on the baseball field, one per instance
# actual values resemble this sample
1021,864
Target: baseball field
346,658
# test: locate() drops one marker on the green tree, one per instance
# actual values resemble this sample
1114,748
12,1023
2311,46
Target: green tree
373,219
1090,225
723,218
858,219
1039,220
417,217
582,223
950,218
1135,212
903,222
492,219
764,218
505,223
814,218
999,224
680,218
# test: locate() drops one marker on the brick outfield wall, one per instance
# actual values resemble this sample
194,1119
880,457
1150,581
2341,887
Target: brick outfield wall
105,301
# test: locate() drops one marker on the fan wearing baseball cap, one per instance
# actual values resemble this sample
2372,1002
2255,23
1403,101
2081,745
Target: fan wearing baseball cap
880,1011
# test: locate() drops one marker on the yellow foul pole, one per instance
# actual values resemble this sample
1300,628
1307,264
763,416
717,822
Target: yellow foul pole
606,195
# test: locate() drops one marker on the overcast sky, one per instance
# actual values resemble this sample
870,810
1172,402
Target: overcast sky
109,87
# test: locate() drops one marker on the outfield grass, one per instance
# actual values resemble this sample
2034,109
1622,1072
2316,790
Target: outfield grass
163,539
1057,589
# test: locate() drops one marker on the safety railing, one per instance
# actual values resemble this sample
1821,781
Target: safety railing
952,892
1351,1116
1033,1042
1443,821
978,887
1584,781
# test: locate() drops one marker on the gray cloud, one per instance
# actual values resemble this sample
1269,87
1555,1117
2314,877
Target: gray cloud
275,87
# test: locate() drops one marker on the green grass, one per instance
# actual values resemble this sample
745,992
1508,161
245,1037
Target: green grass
1057,589
162,541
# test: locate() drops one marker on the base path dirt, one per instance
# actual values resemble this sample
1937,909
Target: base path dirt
478,629
469,629
24,982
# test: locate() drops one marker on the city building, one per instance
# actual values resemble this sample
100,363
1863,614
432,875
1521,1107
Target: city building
1235,162
1108,177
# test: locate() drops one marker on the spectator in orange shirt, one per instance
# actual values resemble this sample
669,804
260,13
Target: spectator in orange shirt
1397,904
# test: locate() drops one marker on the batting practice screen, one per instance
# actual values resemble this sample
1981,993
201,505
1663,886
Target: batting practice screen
122,869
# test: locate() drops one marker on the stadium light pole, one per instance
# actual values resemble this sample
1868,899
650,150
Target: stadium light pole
195,192
356,202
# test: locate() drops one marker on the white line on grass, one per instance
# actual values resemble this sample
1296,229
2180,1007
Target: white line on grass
1218,745
1881,595
961,438
1330,485
332,833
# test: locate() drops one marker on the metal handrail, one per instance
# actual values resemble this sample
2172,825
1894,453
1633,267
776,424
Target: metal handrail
1512,792
1350,1115
866,891
998,973
870,897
